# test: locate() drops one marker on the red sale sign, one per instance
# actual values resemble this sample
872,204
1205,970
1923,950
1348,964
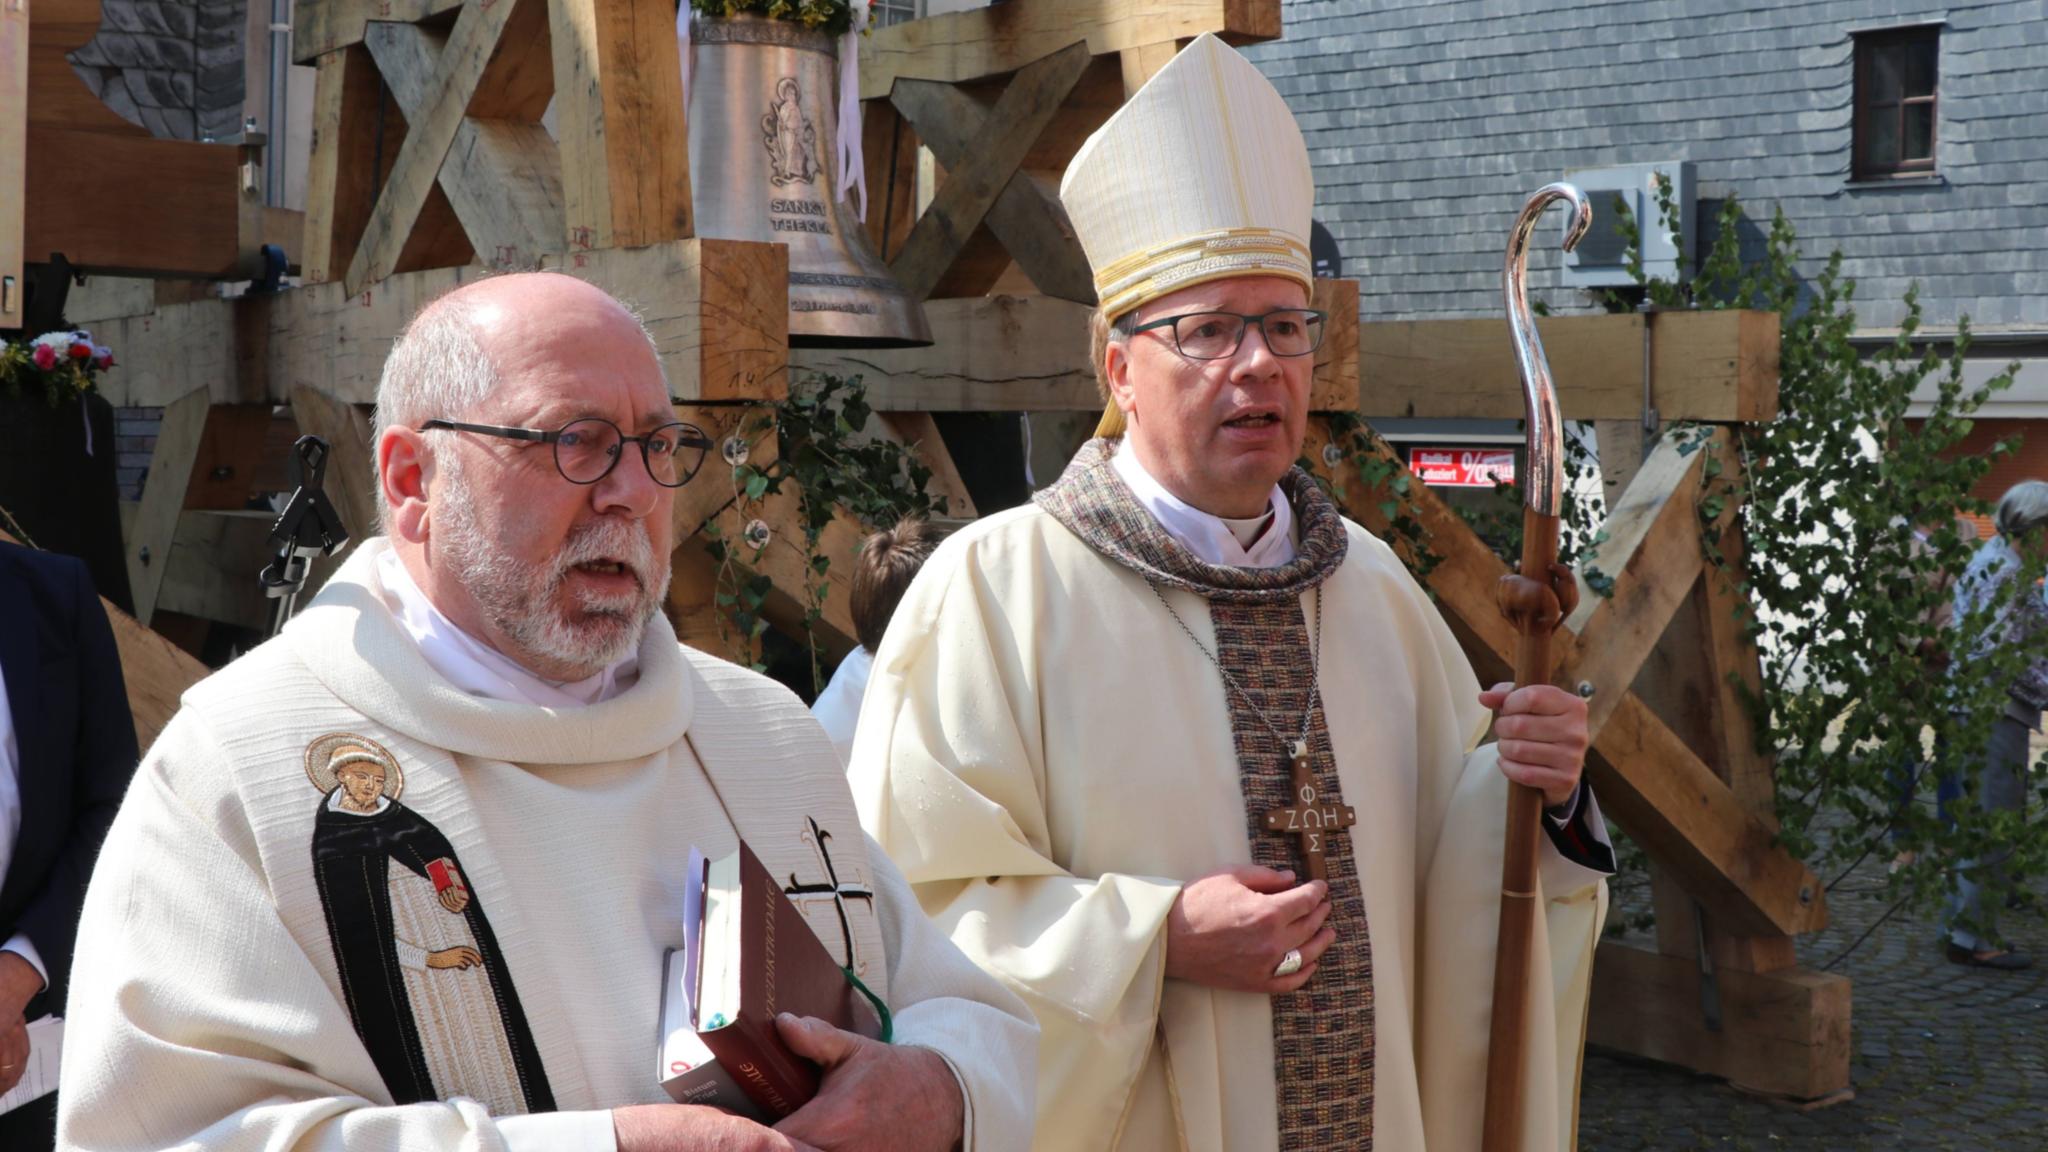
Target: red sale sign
1463,467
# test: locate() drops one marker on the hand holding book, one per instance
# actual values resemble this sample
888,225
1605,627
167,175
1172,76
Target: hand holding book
869,1086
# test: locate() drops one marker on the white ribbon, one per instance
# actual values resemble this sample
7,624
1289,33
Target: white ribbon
853,168
683,16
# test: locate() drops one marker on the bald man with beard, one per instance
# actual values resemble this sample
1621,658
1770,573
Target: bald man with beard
404,876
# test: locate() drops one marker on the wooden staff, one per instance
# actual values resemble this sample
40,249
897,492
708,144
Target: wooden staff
1535,600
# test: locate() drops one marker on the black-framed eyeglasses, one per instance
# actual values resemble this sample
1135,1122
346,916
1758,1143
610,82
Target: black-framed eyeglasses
1217,335
587,449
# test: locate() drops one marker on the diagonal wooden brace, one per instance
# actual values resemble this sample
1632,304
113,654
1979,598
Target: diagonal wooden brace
473,51
1026,217
972,189
1649,780
502,176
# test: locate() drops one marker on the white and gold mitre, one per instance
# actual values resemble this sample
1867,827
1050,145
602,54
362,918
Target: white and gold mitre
1200,176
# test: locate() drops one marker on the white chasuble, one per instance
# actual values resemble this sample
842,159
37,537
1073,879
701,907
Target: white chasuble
1049,758
400,915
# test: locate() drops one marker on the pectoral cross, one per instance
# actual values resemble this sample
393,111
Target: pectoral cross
1308,817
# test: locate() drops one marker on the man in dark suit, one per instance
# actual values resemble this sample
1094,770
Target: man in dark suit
67,750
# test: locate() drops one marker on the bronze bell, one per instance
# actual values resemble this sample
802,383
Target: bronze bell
762,114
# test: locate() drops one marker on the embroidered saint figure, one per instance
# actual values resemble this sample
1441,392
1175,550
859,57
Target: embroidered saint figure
426,985
792,142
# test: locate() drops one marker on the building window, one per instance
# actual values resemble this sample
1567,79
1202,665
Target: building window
887,12
1897,79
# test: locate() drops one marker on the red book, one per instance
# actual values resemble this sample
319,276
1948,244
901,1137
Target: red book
760,958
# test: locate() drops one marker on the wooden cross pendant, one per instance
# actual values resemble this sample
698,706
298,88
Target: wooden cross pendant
1308,817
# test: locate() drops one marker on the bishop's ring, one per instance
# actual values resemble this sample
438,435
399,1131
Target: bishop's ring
1289,964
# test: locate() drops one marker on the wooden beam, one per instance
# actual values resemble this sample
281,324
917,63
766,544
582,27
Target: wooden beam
14,33
241,457
1335,386
1653,553
961,47
783,562
351,482
971,189
1143,62
322,27
183,219
1783,1034
1030,354
1719,367
717,309
211,573
502,177
342,174
163,498
1027,216
474,49
918,433
889,148
625,150
1648,779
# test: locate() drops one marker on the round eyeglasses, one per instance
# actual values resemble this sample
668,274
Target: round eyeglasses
1216,335
588,448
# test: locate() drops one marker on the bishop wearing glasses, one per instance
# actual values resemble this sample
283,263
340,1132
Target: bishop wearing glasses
1188,759
403,877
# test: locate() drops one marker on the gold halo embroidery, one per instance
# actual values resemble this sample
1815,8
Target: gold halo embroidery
326,754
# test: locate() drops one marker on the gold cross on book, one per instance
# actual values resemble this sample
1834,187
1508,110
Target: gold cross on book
1309,817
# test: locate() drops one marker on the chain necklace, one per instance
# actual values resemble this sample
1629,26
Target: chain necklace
1308,711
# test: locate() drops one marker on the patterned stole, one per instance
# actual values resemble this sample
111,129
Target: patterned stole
1323,1033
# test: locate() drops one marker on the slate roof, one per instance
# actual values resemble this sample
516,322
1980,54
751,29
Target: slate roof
1428,121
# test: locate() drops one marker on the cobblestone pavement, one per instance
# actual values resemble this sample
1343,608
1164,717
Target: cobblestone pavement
1945,1057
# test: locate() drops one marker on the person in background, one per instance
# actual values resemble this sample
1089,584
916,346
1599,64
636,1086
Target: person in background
888,561
1934,658
2020,622
67,751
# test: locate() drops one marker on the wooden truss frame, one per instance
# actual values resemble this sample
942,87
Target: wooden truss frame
430,167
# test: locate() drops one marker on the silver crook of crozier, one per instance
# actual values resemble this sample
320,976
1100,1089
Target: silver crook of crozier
1545,430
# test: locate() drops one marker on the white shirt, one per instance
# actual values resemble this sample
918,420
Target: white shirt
838,706
476,667
10,822
1211,538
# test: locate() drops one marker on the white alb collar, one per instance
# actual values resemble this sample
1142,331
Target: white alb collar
476,667
1209,537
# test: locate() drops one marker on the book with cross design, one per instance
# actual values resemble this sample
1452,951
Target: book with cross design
748,954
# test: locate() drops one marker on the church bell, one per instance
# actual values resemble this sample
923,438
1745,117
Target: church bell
762,116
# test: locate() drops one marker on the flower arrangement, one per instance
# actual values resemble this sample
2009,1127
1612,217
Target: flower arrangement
833,16
55,366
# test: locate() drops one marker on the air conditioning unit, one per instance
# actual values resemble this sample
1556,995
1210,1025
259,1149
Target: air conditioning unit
1600,261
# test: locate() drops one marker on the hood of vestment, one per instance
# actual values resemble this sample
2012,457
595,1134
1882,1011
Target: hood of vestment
1093,502
351,640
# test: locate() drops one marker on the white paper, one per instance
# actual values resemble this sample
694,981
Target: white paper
39,1079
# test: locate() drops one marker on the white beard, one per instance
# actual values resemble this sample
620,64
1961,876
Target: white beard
519,597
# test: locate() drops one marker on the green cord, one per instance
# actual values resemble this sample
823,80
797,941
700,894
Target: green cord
881,1009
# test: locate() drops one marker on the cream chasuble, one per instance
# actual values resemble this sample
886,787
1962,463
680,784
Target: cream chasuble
1049,758
347,904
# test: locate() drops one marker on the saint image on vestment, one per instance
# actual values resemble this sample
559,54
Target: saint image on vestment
792,142
426,985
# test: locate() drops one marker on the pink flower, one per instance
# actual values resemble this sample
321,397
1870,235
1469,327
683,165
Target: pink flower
102,356
45,357
81,351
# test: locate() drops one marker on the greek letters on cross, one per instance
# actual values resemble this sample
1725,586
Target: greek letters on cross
1309,817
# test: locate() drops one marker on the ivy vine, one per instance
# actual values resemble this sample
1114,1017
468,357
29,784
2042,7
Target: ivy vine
835,466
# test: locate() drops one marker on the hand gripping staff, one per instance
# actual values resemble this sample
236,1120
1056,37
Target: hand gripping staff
1535,600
